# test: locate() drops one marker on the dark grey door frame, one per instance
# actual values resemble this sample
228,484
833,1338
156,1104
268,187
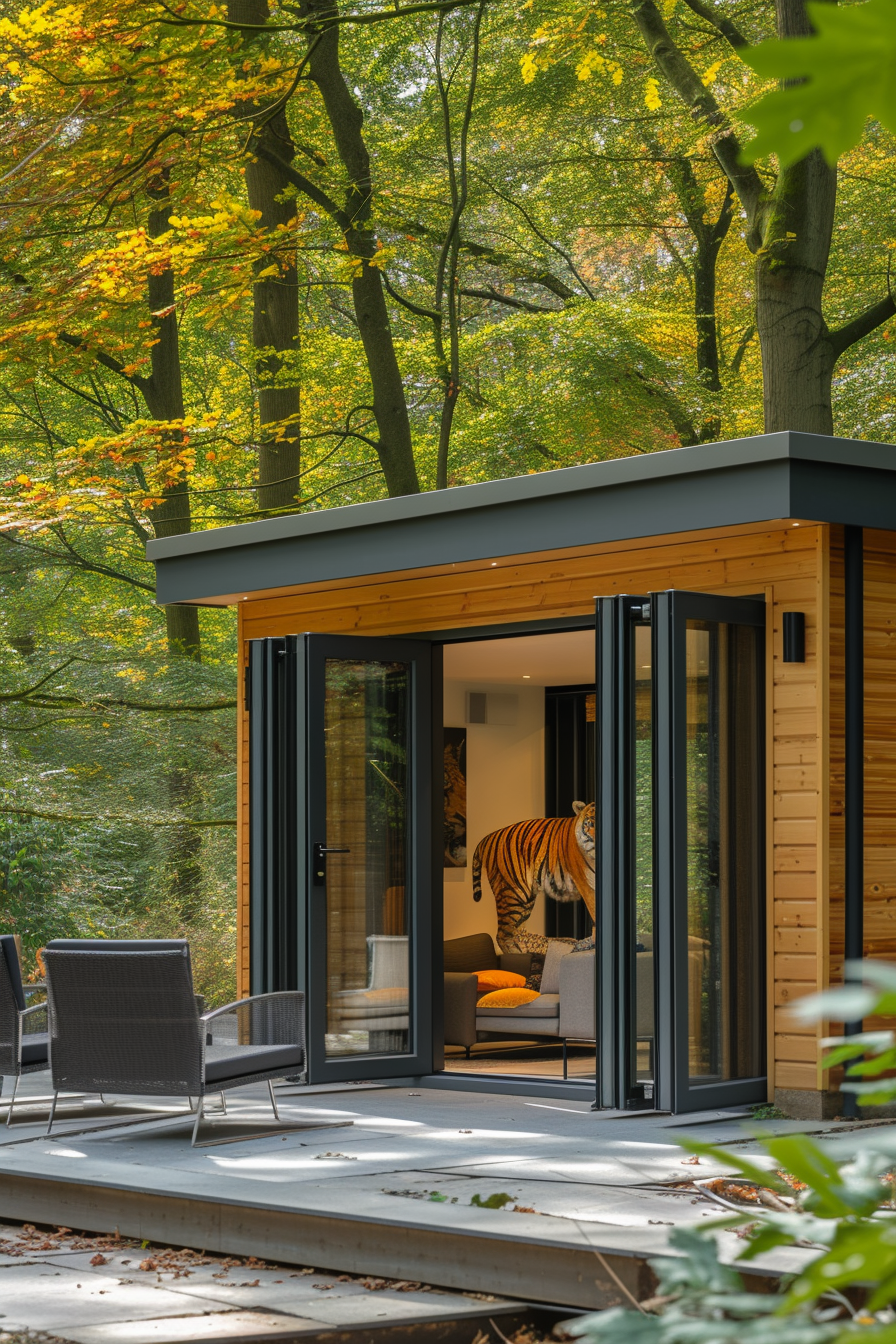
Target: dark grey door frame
670,612
288,811
273,693
615,963
615,992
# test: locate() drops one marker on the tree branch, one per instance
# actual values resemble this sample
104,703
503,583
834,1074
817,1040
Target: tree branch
107,361
861,326
396,12
729,30
493,296
704,109
304,184
74,560
111,816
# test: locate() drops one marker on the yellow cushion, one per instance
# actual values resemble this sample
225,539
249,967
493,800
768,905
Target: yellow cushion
508,998
498,980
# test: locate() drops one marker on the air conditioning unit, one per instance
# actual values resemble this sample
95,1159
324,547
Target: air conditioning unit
493,708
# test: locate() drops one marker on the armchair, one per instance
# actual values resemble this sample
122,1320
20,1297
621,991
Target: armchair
124,1018
381,1007
24,1043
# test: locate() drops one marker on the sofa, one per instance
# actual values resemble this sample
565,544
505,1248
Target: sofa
564,1009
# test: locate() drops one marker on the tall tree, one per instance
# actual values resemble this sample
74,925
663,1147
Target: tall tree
789,227
269,150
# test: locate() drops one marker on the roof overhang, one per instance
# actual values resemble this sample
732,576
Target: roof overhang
745,481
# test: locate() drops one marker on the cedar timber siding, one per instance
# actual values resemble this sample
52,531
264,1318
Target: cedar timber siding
796,567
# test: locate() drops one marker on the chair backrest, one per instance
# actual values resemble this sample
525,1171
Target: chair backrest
475,952
389,961
120,945
123,1020
12,1001
11,969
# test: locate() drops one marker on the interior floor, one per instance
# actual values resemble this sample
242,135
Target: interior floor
522,1059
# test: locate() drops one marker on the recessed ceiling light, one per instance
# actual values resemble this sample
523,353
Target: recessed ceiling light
526,677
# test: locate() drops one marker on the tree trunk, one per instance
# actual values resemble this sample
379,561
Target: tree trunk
396,452
789,231
163,393
797,353
164,397
275,316
791,267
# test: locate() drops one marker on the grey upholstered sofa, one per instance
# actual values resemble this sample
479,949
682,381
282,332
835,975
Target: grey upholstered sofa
565,1009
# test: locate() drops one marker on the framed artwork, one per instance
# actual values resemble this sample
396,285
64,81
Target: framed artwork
455,798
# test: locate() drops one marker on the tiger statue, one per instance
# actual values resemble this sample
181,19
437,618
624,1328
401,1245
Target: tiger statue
553,855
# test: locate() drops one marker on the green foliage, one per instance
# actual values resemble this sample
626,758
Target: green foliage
844,1216
496,1201
835,81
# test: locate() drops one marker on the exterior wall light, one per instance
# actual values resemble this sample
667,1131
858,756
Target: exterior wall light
794,636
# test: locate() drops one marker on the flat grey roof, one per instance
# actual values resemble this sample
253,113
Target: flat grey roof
770,476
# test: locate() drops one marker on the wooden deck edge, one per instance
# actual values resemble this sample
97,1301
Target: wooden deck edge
533,1272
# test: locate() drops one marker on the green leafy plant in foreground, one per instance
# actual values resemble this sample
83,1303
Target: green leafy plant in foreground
834,80
843,1220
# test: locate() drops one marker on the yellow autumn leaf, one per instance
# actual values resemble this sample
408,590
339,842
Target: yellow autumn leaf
652,99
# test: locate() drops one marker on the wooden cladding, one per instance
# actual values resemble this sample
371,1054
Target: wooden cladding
796,568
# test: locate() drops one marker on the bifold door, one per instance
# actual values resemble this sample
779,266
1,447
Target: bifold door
680,992
340,845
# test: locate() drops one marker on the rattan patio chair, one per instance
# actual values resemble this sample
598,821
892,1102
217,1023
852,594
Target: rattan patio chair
124,1019
24,1043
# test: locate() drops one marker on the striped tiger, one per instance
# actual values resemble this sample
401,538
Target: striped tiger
553,855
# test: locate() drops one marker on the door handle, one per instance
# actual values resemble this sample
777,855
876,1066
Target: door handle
319,867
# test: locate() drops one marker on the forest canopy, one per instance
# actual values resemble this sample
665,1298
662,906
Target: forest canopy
264,257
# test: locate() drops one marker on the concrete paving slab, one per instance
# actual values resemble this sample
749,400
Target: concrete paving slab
593,1183
244,1326
44,1297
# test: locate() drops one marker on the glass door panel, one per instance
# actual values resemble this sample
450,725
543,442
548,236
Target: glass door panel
680,895
641,747
725,1018
365,860
341,818
709,854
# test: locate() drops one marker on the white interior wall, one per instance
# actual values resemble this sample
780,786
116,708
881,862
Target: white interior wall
505,783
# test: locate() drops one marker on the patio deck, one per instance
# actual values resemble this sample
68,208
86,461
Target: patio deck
389,1193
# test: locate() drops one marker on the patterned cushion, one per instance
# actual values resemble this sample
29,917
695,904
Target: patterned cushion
523,941
533,979
584,945
507,998
486,980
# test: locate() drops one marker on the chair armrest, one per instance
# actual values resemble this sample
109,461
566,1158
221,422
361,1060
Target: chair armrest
577,1008
262,1019
460,1008
253,998
518,962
